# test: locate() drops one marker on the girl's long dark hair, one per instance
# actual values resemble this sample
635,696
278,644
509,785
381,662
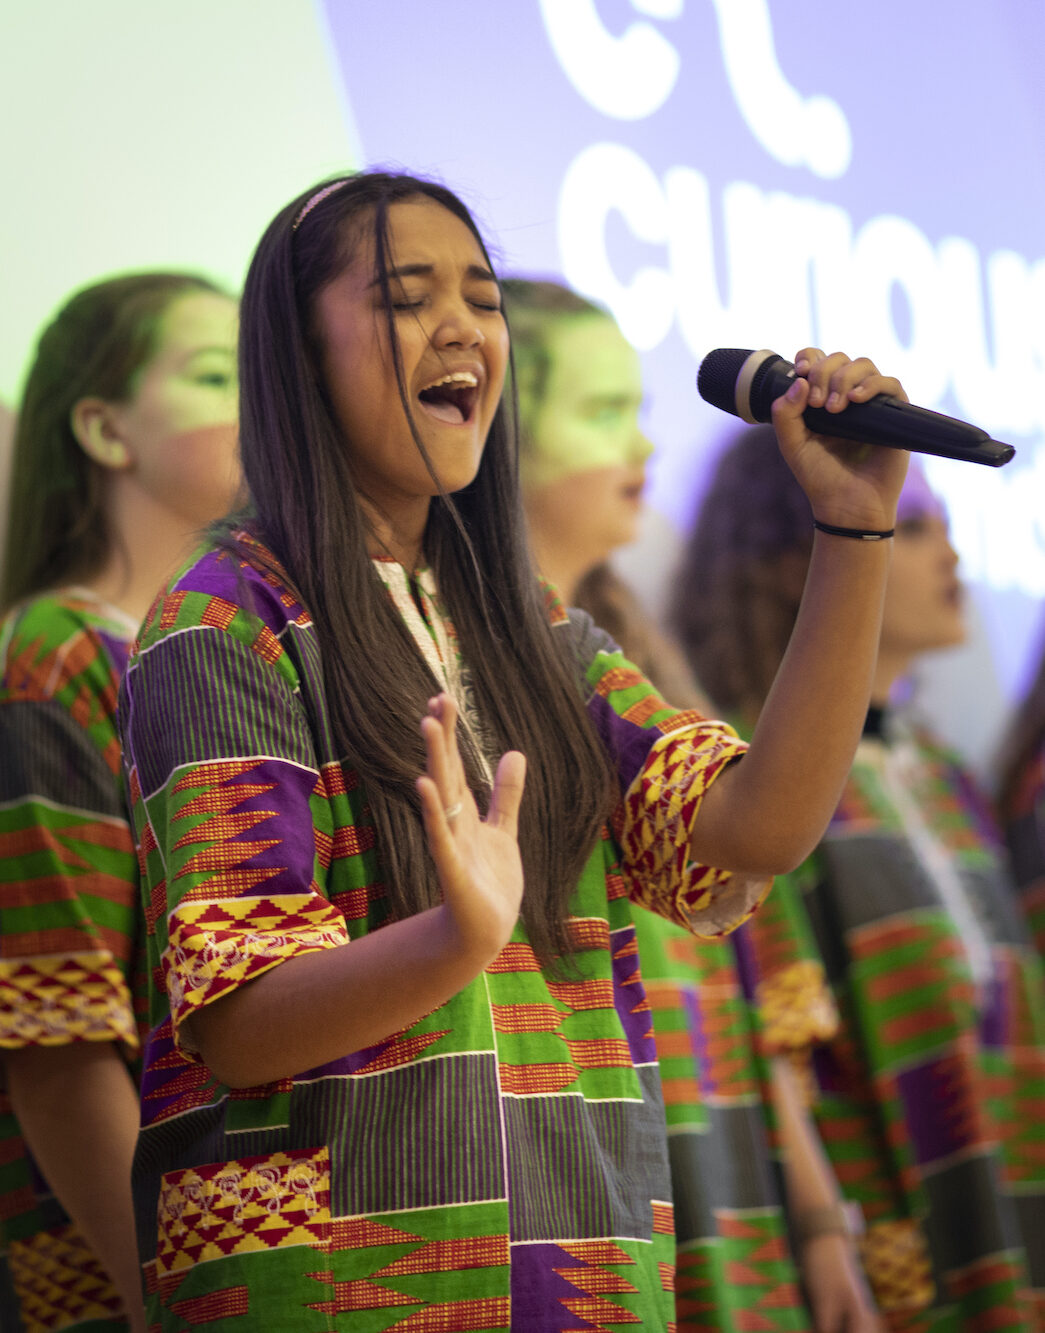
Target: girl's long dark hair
737,589
58,528
376,682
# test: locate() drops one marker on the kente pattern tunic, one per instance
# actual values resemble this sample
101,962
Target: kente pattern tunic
499,1164
930,1098
69,913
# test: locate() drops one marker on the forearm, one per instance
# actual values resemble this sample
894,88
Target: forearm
809,1180
837,1293
318,1007
767,813
77,1109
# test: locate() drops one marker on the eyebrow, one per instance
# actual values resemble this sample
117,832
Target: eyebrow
474,271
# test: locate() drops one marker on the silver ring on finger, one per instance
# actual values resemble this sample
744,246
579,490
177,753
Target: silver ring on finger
452,811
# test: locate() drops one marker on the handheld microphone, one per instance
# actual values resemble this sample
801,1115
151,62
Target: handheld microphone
747,383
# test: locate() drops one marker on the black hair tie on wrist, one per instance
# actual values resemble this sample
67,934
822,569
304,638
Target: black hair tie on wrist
860,534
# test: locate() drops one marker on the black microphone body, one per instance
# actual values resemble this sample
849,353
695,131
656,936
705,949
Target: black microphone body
747,383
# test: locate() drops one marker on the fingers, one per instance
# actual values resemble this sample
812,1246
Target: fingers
444,786
507,792
835,380
444,766
433,815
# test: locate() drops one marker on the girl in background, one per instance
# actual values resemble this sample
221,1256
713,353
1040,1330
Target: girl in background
582,467
931,1096
125,444
383,1086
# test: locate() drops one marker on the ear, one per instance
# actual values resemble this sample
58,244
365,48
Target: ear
93,422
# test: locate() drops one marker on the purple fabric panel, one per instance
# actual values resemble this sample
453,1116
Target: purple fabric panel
218,574
539,1292
698,1036
747,970
117,649
167,1077
627,744
286,824
934,1110
637,1026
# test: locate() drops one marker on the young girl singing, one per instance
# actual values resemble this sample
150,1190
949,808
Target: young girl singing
394,810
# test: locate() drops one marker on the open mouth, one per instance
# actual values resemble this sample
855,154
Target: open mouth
453,398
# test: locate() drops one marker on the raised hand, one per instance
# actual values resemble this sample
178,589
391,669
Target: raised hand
848,484
477,860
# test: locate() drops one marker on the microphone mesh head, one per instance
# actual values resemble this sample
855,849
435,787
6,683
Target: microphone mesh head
717,377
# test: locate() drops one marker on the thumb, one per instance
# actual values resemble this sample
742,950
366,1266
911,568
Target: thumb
508,784
788,409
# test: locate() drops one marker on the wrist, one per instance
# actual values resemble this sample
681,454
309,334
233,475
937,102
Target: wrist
466,947
873,512
858,534
839,1219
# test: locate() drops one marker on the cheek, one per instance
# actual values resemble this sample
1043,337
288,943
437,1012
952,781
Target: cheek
497,363
200,468
186,408
364,400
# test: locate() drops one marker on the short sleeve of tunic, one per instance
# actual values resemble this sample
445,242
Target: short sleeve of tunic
224,780
666,760
68,877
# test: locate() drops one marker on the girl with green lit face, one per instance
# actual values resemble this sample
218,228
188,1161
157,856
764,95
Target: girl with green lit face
582,464
583,452
126,445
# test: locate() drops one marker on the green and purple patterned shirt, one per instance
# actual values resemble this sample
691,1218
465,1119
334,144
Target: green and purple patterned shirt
69,912
500,1163
930,1097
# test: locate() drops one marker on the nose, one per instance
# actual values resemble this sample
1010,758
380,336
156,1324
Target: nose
458,327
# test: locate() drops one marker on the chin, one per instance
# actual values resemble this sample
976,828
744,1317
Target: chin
458,470
462,474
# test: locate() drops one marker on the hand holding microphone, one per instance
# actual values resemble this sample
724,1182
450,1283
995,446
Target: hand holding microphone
852,488
747,383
